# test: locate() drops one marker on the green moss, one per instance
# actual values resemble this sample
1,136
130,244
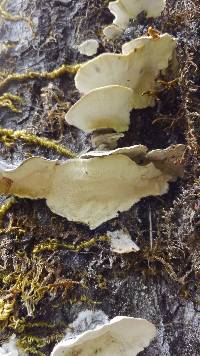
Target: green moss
56,73
8,137
32,343
53,245
84,299
6,101
5,208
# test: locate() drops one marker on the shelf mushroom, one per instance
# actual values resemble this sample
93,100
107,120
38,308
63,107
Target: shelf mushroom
138,68
119,11
122,336
124,10
102,108
91,190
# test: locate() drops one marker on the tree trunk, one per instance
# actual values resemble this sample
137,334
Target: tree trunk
161,281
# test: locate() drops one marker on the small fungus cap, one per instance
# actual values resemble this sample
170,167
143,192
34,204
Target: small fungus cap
103,140
122,336
102,108
123,10
111,32
119,11
89,47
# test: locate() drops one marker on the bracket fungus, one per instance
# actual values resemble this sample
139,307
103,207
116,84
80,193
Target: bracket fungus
122,336
89,47
124,10
168,160
137,69
136,152
119,11
102,108
90,190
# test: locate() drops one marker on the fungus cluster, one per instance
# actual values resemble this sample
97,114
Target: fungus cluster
114,84
98,185
95,187
124,10
121,336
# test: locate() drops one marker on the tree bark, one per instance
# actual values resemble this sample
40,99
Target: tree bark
160,282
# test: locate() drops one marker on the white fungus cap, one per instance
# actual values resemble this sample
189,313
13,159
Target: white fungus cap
122,336
94,189
135,152
90,191
137,70
138,43
152,8
119,11
103,108
123,10
168,160
89,47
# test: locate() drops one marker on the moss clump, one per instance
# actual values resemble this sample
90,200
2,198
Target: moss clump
33,344
4,209
56,73
29,284
7,99
53,245
6,308
8,137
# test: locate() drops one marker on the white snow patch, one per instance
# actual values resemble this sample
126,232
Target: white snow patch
121,242
9,348
88,320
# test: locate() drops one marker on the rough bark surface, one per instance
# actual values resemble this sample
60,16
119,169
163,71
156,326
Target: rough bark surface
159,283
